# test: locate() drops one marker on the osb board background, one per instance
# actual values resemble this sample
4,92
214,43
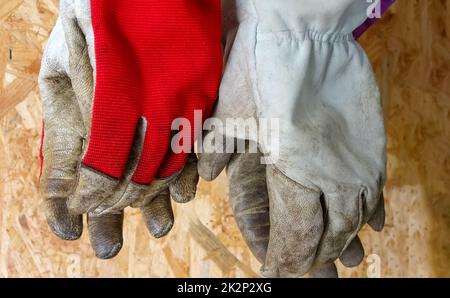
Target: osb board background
410,51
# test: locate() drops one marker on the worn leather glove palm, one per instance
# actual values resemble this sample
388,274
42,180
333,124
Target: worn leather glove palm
67,81
250,200
297,61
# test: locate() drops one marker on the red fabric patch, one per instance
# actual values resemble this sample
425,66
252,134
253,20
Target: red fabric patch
41,156
157,59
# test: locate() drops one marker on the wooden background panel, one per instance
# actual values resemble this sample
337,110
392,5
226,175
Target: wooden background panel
410,51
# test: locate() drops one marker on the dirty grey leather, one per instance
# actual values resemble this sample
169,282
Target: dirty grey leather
251,205
297,61
66,81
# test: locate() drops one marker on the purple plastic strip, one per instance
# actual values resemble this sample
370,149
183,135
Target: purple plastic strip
385,4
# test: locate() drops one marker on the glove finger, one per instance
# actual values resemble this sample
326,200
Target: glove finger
62,143
132,194
57,183
92,190
64,225
215,155
378,218
343,218
101,194
296,221
155,160
250,200
210,165
325,271
353,255
127,192
184,188
103,175
158,215
105,233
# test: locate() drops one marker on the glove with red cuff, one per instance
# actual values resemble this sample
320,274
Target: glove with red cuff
114,76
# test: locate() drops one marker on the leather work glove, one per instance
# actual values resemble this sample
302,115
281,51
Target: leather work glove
297,61
110,90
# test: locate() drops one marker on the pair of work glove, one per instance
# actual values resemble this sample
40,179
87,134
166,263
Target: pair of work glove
112,87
